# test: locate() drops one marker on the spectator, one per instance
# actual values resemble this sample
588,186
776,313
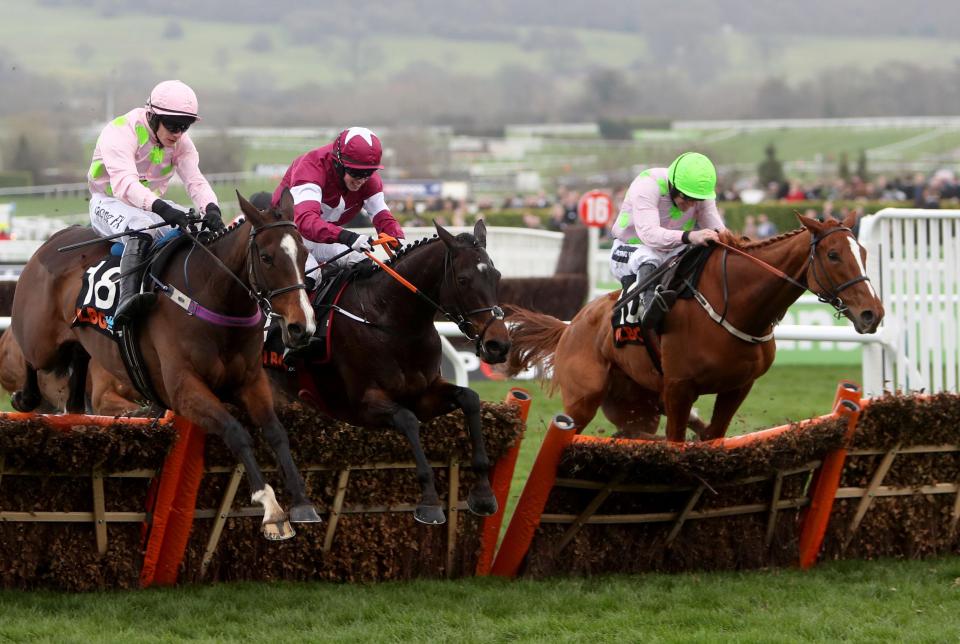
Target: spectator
765,227
750,227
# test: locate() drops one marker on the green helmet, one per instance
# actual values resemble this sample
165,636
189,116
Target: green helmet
693,174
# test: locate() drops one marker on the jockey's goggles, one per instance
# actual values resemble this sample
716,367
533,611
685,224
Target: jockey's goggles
359,173
176,124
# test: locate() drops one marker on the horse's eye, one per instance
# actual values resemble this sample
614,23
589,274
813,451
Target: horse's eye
833,256
462,281
266,259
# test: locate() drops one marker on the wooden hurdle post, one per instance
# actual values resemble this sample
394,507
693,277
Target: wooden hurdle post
533,499
501,476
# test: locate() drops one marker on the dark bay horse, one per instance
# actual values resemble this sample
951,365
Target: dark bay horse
196,360
699,355
385,365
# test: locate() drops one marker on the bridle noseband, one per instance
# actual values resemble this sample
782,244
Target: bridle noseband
831,293
257,292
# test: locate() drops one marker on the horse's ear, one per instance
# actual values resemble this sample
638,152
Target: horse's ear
445,235
851,219
811,224
480,232
286,204
250,211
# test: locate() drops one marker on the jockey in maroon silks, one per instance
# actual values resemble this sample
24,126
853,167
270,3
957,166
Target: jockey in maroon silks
330,185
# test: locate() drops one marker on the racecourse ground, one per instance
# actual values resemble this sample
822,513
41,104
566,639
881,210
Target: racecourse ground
852,600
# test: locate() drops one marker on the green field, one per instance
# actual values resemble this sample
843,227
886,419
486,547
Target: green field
885,601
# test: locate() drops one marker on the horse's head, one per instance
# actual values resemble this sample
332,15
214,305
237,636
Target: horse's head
275,261
837,273
469,291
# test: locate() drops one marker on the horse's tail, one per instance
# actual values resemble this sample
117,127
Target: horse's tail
533,339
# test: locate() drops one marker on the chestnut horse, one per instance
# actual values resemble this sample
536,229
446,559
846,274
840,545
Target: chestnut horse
384,370
699,355
194,361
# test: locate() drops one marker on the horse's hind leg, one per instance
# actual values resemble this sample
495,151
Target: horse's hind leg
194,400
76,402
28,398
259,404
441,398
633,410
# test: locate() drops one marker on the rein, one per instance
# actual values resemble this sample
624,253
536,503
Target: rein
258,294
830,294
466,327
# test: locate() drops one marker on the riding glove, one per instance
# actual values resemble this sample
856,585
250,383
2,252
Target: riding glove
213,219
355,240
170,214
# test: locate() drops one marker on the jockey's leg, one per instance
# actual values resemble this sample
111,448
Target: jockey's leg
131,302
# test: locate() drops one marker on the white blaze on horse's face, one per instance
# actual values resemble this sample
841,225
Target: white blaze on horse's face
289,246
855,249
482,267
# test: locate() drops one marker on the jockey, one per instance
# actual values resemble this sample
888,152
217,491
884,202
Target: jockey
134,159
330,185
664,210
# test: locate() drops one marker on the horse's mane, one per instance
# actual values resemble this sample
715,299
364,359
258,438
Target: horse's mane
745,243
405,251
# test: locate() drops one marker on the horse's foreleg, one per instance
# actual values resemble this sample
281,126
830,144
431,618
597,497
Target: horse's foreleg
79,361
481,500
726,405
194,400
258,402
440,399
678,399
428,510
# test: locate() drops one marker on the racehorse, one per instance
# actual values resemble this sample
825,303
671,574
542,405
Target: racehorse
194,361
700,354
108,396
384,368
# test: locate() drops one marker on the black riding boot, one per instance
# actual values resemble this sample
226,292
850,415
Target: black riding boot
655,301
131,301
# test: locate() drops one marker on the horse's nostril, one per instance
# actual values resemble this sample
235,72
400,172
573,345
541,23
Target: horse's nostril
496,348
867,317
295,330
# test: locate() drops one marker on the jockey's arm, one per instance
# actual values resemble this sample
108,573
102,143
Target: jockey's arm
383,219
642,201
306,214
187,162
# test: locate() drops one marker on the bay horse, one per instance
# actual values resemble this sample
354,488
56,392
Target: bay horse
699,355
194,360
384,368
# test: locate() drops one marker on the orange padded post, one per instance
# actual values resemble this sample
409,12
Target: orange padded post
501,476
827,480
526,518
176,502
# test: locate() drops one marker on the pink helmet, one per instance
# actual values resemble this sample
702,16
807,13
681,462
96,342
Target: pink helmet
174,98
358,148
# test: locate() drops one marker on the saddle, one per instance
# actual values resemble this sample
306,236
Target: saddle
324,300
97,304
673,280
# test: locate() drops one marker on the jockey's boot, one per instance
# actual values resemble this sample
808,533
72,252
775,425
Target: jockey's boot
629,314
655,301
131,302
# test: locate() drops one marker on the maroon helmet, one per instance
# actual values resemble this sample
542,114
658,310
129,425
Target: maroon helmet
358,148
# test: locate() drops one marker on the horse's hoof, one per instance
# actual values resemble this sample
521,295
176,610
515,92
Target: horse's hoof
482,506
21,402
429,514
305,513
278,530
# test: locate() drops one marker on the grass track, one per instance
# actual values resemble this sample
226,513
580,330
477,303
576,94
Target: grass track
855,601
